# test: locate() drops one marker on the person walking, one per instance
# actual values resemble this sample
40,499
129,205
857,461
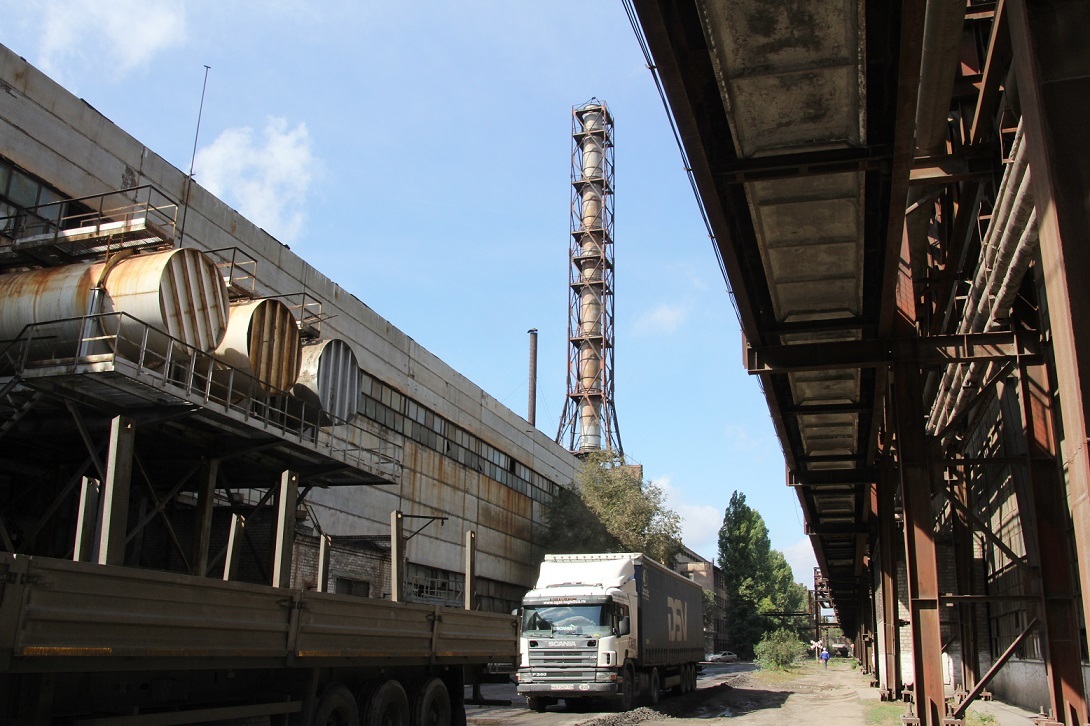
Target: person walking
825,658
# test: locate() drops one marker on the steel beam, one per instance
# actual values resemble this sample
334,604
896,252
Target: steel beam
936,350
115,492
324,541
1052,69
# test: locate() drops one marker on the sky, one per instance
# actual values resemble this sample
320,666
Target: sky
419,155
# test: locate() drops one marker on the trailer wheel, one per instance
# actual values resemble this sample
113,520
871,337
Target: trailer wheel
336,707
384,703
692,677
536,703
654,686
430,703
628,688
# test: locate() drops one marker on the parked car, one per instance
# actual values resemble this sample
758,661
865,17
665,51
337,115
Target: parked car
723,657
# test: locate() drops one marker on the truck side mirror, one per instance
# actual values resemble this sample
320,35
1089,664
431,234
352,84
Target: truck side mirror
625,626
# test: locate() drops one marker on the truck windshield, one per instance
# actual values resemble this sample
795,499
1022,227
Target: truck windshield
574,619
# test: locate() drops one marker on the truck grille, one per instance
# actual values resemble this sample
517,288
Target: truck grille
573,655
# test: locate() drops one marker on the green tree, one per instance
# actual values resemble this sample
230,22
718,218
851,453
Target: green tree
759,579
613,509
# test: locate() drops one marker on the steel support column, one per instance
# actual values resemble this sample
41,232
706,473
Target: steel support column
1044,518
234,543
963,566
921,555
115,492
202,527
887,563
1052,69
397,556
921,476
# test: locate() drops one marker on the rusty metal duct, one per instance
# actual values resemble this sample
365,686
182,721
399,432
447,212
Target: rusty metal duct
589,419
262,340
329,378
179,292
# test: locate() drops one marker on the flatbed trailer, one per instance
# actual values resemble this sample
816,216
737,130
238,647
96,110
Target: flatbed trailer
97,644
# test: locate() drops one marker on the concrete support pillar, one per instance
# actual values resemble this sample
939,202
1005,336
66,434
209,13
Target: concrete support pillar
202,526
286,501
324,542
1052,69
88,521
471,570
115,492
234,544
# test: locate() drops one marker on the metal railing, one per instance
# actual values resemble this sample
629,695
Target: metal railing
94,217
122,344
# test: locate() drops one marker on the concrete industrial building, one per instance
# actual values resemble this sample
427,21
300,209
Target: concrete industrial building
425,440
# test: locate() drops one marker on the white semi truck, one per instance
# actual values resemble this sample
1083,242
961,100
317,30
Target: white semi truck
608,625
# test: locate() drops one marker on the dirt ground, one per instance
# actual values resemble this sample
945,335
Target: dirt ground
808,694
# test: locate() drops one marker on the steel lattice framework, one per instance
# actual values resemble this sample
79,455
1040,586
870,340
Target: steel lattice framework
589,420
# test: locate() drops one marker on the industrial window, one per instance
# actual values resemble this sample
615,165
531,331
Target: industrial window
348,586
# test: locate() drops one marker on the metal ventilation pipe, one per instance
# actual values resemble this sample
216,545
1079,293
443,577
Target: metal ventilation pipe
531,406
1006,253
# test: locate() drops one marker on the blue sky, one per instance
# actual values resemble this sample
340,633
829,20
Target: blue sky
418,154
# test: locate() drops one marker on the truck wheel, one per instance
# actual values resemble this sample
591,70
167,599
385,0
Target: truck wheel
692,677
654,687
336,707
628,689
536,703
384,703
430,704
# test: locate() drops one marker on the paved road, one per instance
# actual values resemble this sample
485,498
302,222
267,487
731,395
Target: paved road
562,715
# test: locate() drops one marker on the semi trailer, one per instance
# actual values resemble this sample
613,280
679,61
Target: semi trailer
608,625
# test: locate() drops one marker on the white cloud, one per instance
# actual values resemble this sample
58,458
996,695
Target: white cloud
266,175
800,556
665,318
114,37
700,522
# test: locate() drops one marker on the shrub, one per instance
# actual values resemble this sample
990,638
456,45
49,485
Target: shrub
779,649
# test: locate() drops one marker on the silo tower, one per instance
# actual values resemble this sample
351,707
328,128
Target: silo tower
589,421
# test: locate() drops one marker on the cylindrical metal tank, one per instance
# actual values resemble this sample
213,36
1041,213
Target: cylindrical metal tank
40,296
179,291
262,340
329,378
